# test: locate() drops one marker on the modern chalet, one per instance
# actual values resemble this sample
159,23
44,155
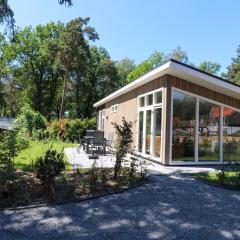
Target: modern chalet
180,114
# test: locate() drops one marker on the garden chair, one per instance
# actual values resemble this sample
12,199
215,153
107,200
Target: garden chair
98,142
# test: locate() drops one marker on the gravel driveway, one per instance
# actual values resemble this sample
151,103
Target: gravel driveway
169,207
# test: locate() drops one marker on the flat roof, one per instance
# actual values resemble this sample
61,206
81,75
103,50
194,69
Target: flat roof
181,70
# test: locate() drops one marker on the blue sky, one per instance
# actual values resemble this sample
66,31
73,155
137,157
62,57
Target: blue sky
207,30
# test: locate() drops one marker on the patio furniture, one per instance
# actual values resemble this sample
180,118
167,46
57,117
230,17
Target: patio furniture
86,141
109,142
98,143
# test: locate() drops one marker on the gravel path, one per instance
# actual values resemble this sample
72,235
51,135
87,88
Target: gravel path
169,207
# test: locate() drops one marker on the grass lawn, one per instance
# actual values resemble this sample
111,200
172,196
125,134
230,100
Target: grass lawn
211,177
27,157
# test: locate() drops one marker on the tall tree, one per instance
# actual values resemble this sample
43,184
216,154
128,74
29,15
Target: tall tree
37,75
101,78
178,54
210,67
155,59
124,67
74,50
233,70
7,14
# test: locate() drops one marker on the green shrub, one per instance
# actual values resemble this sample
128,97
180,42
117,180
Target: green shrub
76,129
54,130
40,134
123,143
22,141
8,150
47,167
29,120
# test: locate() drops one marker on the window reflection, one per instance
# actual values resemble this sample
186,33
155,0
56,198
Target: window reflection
140,131
209,130
148,131
231,135
184,111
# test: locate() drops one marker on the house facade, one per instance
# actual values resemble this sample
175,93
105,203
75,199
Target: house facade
180,114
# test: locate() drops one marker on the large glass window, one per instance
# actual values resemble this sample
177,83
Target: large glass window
231,135
184,124
157,131
148,131
209,131
140,131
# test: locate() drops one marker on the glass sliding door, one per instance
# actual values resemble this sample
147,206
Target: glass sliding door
148,131
184,125
157,114
231,135
140,131
209,131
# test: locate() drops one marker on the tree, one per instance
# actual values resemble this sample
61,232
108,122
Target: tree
100,79
210,67
74,50
178,54
7,14
155,59
33,66
124,67
233,70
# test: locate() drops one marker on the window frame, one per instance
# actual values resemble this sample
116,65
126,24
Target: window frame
144,109
196,162
114,108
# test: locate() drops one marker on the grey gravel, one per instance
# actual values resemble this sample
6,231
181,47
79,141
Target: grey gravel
168,207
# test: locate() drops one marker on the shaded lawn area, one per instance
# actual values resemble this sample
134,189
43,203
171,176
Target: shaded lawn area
26,158
230,179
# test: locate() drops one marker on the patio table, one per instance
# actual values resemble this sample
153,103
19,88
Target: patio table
88,140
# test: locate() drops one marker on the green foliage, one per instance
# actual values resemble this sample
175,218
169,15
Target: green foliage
22,141
124,67
8,150
231,149
157,58
49,166
123,143
76,129
54,129
210,67
233,70
30,120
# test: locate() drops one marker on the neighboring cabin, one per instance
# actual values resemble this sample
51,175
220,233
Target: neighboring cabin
6,123
181,115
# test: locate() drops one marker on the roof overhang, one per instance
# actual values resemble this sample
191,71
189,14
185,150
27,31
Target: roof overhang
183,71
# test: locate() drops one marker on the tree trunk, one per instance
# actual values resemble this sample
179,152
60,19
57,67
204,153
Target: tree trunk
63,94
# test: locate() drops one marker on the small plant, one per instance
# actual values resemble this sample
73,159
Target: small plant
221,174
133,168
123,143
104,176
143,168
237,171
93,177
49,166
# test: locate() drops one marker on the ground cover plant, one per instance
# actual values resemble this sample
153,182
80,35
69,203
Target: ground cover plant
224,176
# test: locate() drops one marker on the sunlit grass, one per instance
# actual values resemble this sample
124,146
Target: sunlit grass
27,157
230,178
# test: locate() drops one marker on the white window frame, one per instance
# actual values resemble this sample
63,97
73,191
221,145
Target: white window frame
144,109
101,119
114,108
195,161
